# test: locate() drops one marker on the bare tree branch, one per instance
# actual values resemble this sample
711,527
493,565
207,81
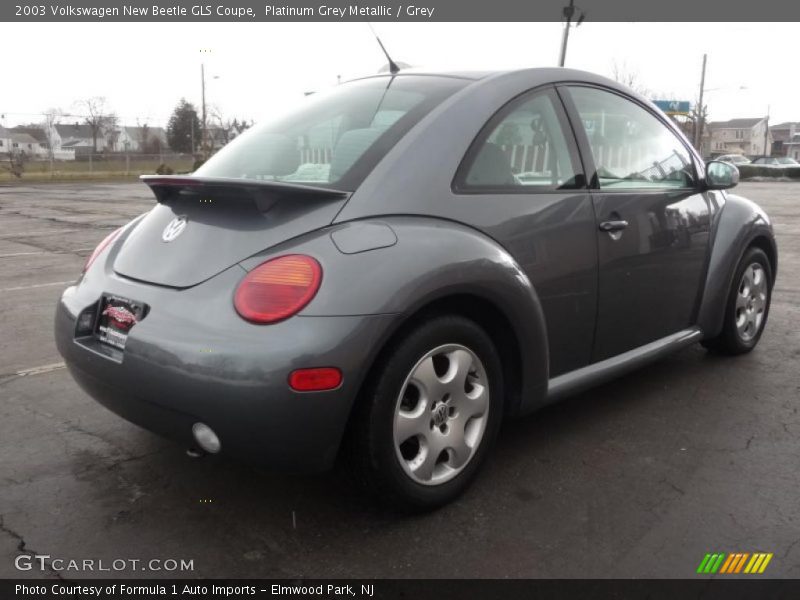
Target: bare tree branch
99,118
623,74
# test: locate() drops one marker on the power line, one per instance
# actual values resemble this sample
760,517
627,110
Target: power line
64,115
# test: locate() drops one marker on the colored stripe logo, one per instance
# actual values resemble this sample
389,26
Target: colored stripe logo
735,562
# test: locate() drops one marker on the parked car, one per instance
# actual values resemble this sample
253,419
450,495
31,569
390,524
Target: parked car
404,262
734,159
776,161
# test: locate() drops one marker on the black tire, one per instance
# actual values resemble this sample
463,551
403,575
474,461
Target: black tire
730,340
373,458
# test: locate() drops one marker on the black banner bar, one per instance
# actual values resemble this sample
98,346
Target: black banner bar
394,10
734,588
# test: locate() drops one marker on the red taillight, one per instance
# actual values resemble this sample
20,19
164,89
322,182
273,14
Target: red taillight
277,289
315,380
100,247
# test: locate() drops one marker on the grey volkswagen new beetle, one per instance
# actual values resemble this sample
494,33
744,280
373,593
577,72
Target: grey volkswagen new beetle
390,270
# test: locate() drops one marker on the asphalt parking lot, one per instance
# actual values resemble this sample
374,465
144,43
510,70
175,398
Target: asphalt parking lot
638,478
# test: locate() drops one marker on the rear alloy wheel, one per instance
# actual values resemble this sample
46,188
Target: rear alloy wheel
429,415
441,414
747,305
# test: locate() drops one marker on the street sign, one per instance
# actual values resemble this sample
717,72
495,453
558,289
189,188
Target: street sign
674,107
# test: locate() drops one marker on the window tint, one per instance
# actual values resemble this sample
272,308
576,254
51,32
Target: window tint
630,146
333,138
525,148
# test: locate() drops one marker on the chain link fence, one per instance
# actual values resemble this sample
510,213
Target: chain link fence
87,166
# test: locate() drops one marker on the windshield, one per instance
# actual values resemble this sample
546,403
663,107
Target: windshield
333,139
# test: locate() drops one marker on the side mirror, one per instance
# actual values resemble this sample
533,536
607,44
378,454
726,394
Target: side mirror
721,175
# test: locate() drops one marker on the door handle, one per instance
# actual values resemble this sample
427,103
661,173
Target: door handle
610,226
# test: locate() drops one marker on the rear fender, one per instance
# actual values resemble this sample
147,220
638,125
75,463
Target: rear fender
399,265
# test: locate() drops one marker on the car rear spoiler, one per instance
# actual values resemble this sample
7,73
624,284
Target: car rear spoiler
263,193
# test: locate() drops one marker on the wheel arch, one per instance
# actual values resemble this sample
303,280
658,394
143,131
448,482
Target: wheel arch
485,313
479,309
768,246
741,225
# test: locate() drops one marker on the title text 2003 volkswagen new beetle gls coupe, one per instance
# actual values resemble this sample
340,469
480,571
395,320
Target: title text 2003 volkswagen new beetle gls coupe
403,262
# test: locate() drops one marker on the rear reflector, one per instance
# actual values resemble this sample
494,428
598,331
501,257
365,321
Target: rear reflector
315,380
277,289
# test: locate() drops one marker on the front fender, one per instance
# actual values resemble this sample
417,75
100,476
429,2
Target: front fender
738,223
416,261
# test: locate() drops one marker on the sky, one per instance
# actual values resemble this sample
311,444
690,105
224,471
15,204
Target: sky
256,70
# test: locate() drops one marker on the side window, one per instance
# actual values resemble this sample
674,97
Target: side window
522,147
630,146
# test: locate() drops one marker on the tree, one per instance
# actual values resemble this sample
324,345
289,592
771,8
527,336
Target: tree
183,129
227,129
52,116
99,118
628,77
15,163
144,138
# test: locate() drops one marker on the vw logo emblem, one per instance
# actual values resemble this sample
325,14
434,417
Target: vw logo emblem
440,415
173,229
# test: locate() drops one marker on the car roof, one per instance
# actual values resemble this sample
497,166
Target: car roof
534,76
473,75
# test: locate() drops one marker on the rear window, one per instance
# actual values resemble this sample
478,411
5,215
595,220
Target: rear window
335,138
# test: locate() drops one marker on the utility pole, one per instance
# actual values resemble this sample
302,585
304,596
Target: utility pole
766,135
203,99
569,12
698,130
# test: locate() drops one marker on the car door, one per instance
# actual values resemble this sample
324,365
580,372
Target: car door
652,219
522,183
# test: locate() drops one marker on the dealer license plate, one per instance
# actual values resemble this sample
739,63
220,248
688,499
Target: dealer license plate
117,317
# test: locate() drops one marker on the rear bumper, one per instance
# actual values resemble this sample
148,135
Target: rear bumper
192,359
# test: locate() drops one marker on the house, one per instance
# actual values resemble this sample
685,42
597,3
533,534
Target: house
740,136
782,134
791,148
25,143
145,139
5,141
79,136
39,148
218,137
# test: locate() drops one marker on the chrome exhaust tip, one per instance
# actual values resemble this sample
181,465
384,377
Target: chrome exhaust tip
206,438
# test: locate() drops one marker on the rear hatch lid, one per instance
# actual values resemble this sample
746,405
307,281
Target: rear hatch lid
201,226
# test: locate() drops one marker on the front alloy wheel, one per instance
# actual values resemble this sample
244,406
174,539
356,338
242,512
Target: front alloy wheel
747,305
751,301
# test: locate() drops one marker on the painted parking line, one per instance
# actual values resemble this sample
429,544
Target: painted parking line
35,285
40,370
12,255
45,232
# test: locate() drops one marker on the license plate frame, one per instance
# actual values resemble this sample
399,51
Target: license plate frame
115,318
